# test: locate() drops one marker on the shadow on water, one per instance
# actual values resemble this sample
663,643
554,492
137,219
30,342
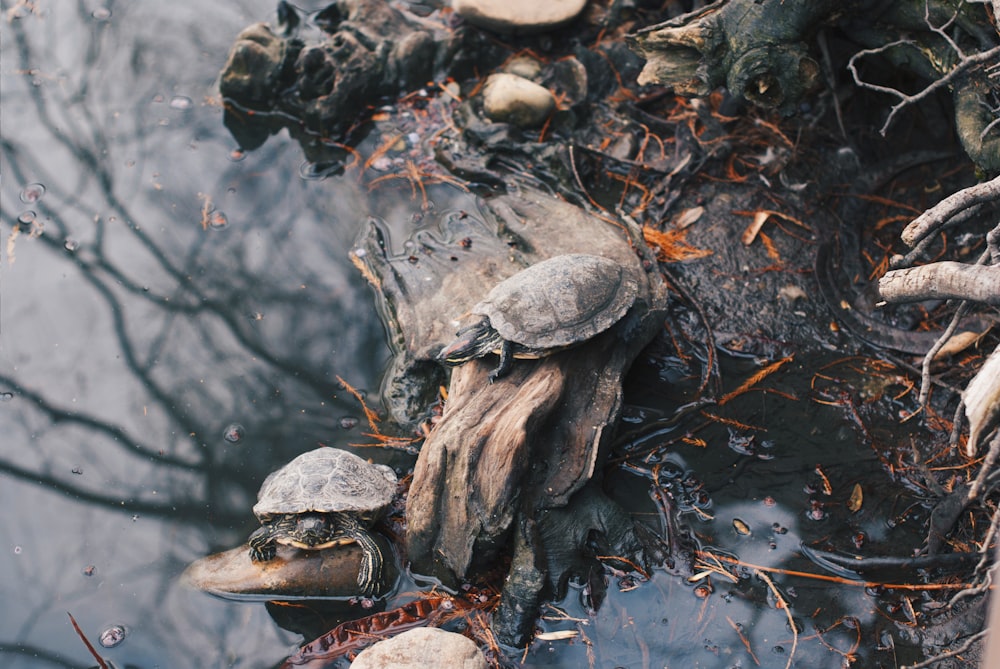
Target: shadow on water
174,317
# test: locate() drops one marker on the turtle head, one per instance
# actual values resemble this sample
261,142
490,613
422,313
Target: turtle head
473,341
311,530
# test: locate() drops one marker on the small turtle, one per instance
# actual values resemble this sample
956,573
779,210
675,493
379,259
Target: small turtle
326,497
547,307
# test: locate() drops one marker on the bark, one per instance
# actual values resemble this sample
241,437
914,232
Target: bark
938,215
756,49
942,280
760,50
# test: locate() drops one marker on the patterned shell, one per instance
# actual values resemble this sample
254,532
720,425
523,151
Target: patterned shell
323,480
564,300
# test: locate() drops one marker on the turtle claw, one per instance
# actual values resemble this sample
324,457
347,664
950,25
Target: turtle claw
263,553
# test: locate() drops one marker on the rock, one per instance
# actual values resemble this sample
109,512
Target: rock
420,648
330,573
508,98
524,66
253,69
518,16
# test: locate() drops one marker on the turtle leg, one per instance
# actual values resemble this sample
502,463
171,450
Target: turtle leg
262,544
372,562
506,360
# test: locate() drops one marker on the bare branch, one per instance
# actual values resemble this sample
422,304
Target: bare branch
942,280
904,99
929,221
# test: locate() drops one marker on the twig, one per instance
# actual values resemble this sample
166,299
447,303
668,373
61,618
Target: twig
936,216
925,368
782,604
905,99
951,653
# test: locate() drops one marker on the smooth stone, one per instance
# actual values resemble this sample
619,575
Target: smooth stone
524,66
518,16
294,573
508,98
421,648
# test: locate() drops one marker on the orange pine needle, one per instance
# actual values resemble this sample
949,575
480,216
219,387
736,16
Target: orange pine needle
755,379
370,415
670,245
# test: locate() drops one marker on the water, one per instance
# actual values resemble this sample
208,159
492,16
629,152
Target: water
152,370
175,313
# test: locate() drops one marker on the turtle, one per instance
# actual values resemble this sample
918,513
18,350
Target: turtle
547,307
322,498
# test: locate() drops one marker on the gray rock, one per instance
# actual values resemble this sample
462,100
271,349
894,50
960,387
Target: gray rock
518,16
509,98
421,648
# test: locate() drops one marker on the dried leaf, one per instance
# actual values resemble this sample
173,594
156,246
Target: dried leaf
688,217
856,499
958,343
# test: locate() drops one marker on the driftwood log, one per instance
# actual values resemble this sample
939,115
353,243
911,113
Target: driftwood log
766,51
505,453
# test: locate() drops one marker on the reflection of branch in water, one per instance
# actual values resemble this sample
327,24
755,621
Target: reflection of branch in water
88,157
197,319
171,509
116,434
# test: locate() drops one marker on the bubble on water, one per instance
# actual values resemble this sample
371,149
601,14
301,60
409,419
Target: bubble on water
6,396
181,102
113,636
77,470
234,433
348,422
32,193
26,218
310,171
101,14
236,155
217,220
71,245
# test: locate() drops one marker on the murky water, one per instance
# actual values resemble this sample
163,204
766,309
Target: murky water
174,318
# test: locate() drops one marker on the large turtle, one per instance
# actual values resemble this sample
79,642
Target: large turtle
325,497
547,307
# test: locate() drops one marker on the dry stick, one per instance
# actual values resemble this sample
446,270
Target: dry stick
951,653
925,368
788,613
938,215
985,469
987,581
919,251
904,99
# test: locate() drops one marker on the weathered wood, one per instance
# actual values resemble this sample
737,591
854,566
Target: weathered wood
533,438
942,280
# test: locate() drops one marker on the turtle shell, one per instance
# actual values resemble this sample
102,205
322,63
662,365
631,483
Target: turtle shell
326,480
561,301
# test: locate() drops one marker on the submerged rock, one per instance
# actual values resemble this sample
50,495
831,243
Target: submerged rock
518,16
422,647
509,98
